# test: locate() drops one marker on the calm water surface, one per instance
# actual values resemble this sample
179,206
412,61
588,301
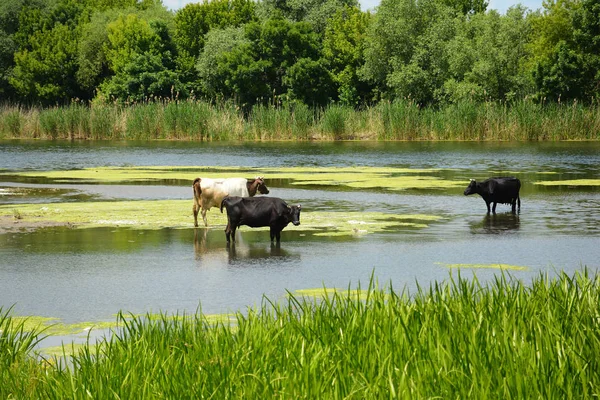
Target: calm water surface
82,275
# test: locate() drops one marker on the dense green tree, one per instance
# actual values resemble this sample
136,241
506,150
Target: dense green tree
486,58
309,81
195,21
211,65
343,49
7,49
94,45
404,52
315,12
45,70
564,52
140,53
144,77
467,6
254,68
391,38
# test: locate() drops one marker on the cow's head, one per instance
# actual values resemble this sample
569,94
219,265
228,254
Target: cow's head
262,188
295,214
472,188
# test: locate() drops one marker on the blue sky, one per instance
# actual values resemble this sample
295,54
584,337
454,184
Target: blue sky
500,5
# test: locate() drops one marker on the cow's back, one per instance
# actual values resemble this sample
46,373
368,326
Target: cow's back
503,189
254,211
236,187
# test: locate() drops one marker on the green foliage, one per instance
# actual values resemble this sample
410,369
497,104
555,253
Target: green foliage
334,121
212,63
144,78
46,70
455,339
565,58
315,12
485,58
431,52
309,82
92,60
195,20
343,47
269,59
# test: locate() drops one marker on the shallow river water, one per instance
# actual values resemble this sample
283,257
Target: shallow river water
91,274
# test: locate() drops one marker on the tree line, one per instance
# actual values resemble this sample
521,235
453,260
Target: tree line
314,52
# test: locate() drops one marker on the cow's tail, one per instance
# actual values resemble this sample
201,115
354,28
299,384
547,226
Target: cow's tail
197,189
226,198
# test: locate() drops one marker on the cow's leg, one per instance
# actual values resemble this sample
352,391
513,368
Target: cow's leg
203,211
278,236
232,232
514,206
274,233
519,201
487,203
494,208
227,230
195,210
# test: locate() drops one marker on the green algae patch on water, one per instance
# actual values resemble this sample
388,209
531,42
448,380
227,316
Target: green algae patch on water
142,214
158,214
352,177
53,327
136,174
360,223
33,322
211,319
324,292
571,182
485,266
70,349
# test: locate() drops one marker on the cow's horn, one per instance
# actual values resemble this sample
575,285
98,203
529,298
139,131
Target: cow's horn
472,180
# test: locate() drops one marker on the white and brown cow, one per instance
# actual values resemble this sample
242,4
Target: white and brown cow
211,192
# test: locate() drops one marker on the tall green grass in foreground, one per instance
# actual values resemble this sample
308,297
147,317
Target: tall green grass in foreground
457,339
399,120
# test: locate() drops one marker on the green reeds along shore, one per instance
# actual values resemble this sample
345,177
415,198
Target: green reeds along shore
456,339
400,120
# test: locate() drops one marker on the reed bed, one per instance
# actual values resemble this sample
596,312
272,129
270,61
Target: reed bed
398,120
455,339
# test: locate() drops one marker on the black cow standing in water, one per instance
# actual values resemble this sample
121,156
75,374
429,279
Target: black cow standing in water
259,211
497,190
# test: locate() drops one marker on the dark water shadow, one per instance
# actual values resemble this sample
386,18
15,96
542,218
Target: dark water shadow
497,224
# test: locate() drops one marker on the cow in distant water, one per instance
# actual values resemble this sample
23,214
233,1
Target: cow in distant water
503,190
259,211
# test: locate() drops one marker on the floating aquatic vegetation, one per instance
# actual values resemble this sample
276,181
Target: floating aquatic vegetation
69,349
54,327
571,182
360,223
485,266
324,292
157,214
352,177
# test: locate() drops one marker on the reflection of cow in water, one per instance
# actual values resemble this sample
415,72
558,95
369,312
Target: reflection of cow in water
497,190
497,224
259,211
209,253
